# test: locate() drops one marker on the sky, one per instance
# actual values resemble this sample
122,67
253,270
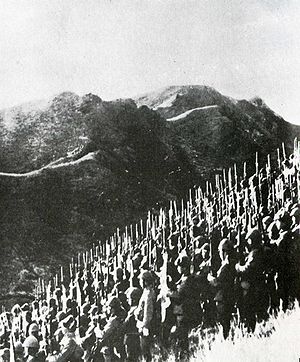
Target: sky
123,48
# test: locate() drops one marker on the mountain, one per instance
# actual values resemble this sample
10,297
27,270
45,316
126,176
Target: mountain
74,170
220,130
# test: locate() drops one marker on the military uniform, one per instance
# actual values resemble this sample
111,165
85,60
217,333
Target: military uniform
254,303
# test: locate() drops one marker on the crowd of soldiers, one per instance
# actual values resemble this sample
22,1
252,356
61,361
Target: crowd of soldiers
231,250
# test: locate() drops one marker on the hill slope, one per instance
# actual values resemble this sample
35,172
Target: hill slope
220,130
77,168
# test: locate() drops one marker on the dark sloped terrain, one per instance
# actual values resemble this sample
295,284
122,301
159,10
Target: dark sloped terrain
220,130
78,167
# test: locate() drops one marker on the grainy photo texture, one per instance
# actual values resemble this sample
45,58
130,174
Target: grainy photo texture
149,180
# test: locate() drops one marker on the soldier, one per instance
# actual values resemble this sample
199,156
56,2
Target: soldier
145,313
4,355
288,263
206,293
110,338
186,306
31,346
224,285
19,352
270,252
70,350
120,287
34,331
132,337
84,319
254,304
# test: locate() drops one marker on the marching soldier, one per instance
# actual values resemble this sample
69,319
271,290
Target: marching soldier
224,285
186,301
145,313
289,259
31,347
253,282
70,350
132,337
110,338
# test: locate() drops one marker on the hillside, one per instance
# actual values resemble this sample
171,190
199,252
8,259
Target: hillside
74,170
220,130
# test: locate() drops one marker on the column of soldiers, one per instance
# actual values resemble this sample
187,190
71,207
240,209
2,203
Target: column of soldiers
231,250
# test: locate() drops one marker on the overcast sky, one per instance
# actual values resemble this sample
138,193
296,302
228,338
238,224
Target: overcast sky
120,48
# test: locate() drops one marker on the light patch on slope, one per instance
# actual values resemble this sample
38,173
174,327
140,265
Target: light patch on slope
167,102
185,114
161,98
52,166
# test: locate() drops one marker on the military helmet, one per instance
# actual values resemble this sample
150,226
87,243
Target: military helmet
25,307
60,316
16,309
267,220
94,310
146,275
286,219
254,235
136,260
183,261
134,293
33,328
118,273
67,321
273,230
86,307
18,347
114,302
225,245
4,352
31,342
295,212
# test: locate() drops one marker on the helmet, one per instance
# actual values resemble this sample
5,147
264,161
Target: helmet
16,309
94,310
33,328
232,234
119,273
267,221
58,293
286,219
25,307
114,302
31,342
146,275
225,245
183,261
4,352
86,307
254,235
295,212
18,347
134,293
60,316
67,321
136,261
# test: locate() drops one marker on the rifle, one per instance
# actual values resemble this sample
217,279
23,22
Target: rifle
163,295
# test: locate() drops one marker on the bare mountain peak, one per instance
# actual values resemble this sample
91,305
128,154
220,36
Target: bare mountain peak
195,95
259,102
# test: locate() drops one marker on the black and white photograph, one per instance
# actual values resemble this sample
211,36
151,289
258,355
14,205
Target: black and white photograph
149,181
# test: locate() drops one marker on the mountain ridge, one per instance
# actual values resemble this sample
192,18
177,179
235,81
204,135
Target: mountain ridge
103,164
